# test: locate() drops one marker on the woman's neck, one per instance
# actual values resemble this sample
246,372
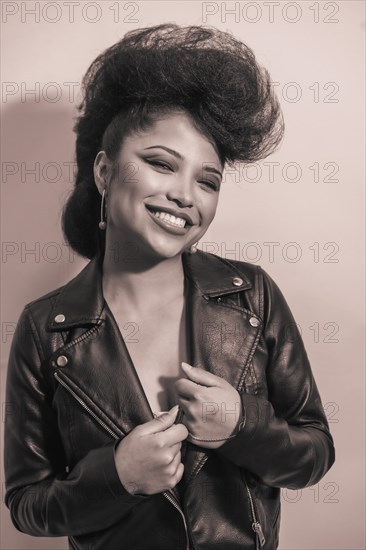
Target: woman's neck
142,287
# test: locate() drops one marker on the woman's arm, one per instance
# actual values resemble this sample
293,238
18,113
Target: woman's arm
44,499
284,440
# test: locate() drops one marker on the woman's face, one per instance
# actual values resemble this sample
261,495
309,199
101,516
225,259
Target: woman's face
165,188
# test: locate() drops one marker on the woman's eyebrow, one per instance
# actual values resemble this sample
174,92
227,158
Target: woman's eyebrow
179,156
175,153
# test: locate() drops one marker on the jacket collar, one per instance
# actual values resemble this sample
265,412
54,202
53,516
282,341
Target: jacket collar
81,301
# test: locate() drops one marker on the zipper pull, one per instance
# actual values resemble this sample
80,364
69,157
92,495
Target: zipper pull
256,526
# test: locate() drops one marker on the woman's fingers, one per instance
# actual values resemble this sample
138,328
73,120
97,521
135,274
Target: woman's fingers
175,434
202,376
186,388
160,423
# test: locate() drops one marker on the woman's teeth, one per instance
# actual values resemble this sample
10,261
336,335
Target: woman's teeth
169,218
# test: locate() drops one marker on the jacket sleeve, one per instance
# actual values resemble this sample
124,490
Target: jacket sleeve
284,440
44,499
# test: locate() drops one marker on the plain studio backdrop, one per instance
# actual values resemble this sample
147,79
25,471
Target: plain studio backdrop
299,213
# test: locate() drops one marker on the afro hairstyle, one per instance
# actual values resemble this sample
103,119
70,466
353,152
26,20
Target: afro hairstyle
201,70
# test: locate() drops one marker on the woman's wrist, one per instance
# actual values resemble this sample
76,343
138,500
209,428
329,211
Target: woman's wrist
240,422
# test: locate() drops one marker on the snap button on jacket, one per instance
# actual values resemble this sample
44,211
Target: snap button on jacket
74,394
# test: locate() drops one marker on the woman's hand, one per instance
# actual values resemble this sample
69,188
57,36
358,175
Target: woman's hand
212,407
148,459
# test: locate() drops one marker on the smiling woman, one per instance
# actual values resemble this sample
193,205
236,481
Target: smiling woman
171,193
97,362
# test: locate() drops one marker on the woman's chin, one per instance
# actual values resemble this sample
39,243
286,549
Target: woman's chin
162,247
167,252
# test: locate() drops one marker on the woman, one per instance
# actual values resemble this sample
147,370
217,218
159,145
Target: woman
152,324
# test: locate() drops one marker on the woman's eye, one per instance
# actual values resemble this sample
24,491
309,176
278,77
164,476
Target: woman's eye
160,163
166,167
209,184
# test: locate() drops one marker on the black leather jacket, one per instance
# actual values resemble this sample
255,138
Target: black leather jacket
73,393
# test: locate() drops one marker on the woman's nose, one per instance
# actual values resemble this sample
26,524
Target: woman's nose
181,193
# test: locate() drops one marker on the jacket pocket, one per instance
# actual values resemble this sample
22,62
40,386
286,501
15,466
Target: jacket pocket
81,426
88,405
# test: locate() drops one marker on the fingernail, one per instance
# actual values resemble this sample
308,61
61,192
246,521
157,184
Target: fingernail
156,415
174,409
186,365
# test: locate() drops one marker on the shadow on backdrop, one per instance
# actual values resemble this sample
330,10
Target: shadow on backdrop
37,175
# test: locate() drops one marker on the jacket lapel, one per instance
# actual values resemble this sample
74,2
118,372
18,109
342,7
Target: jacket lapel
220,335
99,366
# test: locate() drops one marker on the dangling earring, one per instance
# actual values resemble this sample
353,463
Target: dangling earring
102,223
193,248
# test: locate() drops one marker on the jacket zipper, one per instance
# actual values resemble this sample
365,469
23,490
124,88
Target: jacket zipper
85,406
115,436
256,526
183,517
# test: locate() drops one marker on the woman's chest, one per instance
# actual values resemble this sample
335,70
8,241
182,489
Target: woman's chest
157,348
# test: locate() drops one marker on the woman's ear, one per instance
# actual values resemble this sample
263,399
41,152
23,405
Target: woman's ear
101,169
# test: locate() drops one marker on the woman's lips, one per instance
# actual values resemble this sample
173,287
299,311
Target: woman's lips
164,222
167,209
